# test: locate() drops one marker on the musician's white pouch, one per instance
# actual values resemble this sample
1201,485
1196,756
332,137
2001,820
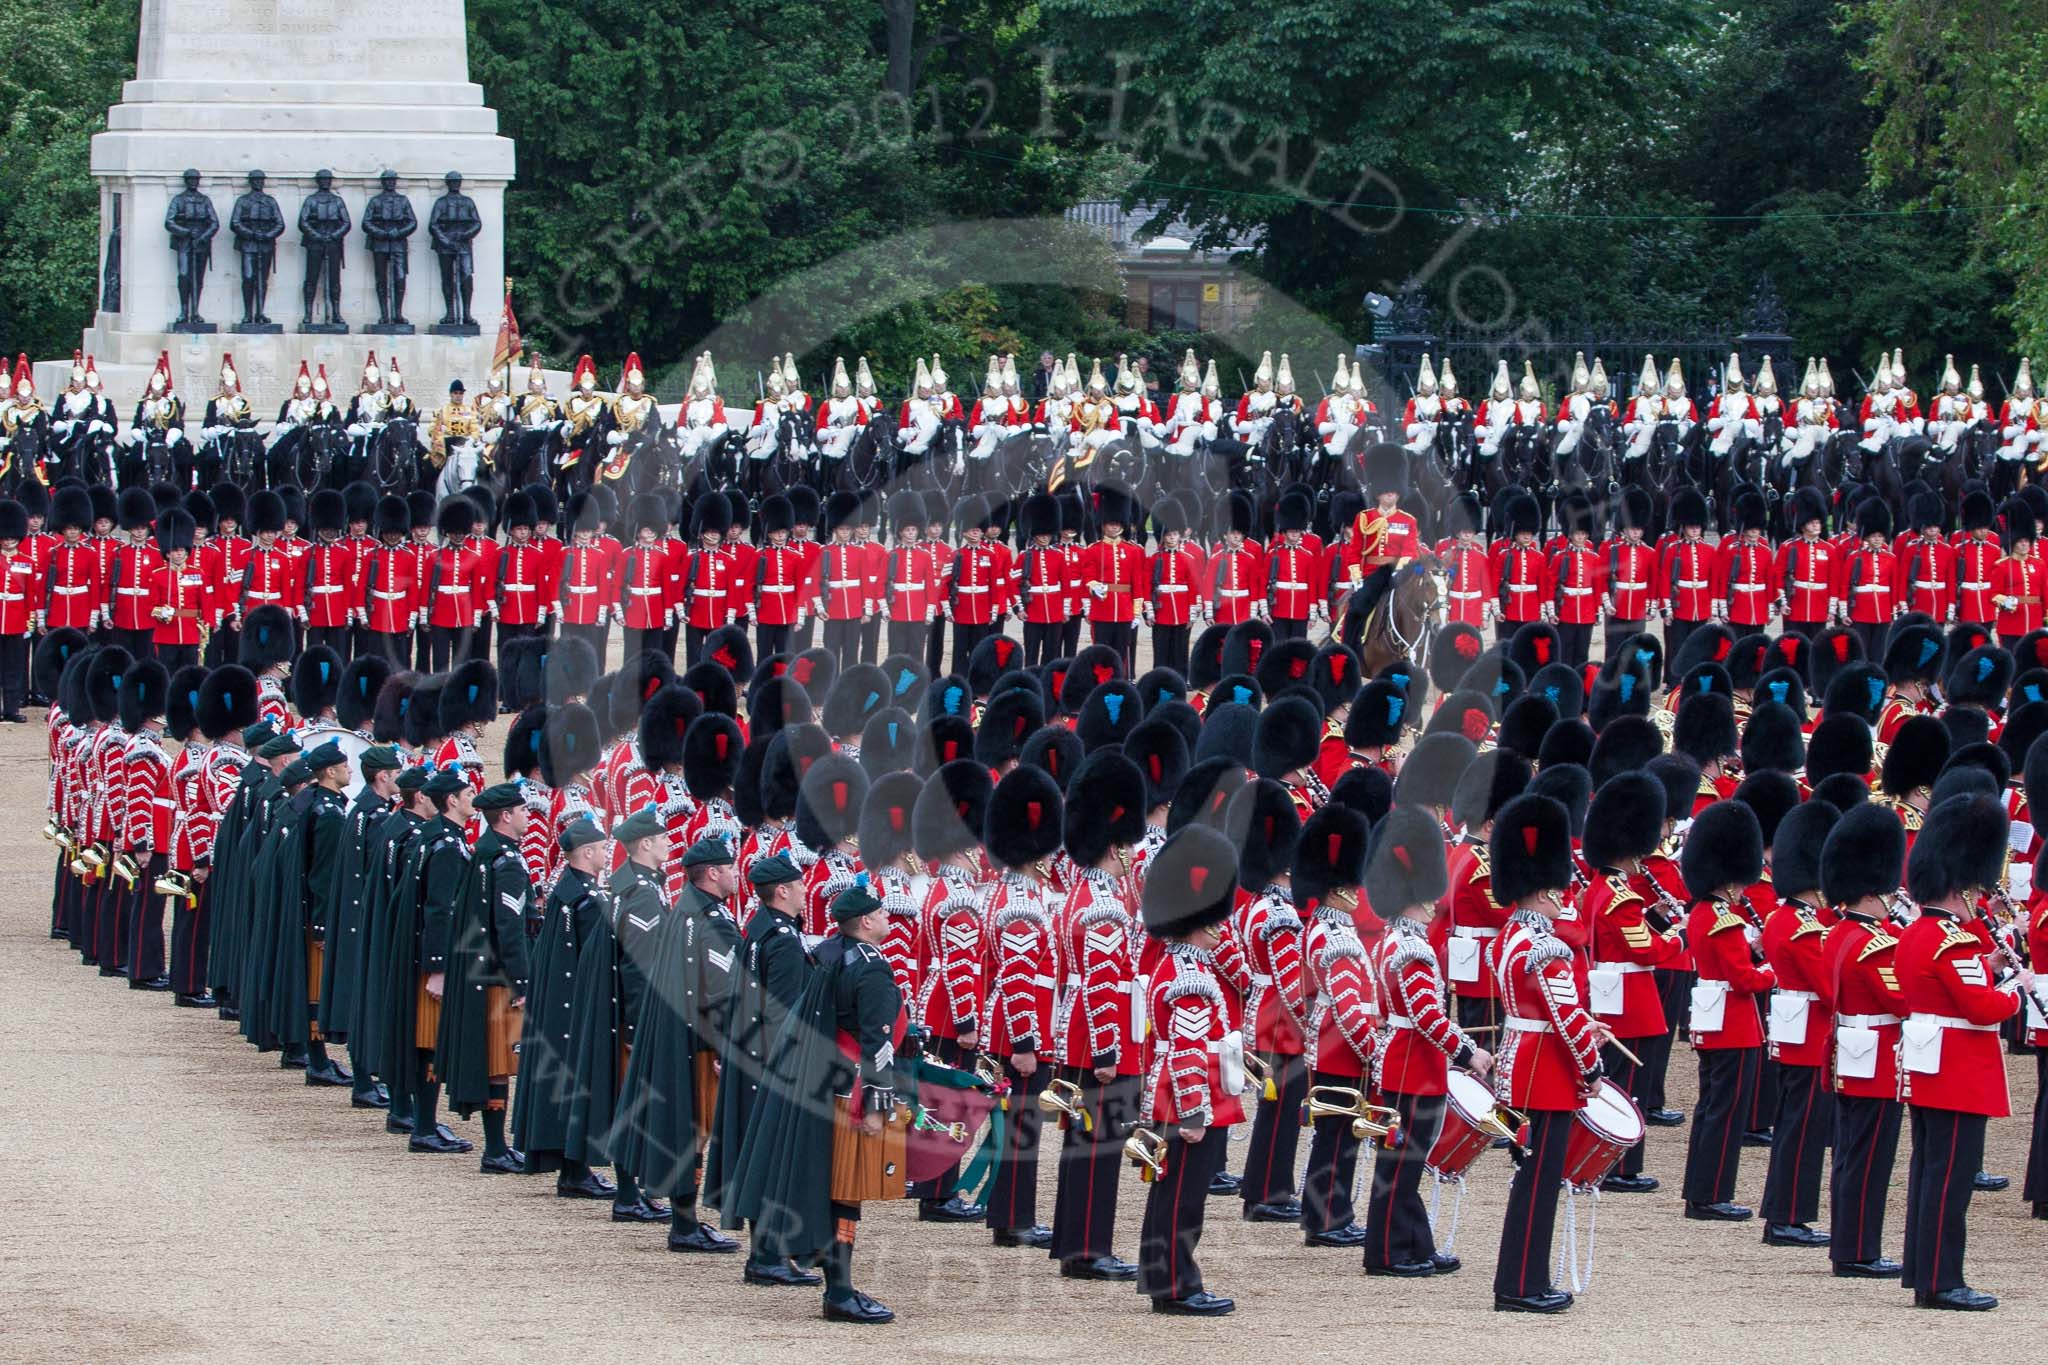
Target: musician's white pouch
1789,1014
1230,1053
1856,1053
1464,958
1920,1046
1709,1006
1604,990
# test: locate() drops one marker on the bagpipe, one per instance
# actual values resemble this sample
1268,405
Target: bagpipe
923,1135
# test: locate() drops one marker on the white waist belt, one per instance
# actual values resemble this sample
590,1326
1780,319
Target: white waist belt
1623,968
1951,1021
1631,587
1865,1020
1519,1025
1472,931
1798,995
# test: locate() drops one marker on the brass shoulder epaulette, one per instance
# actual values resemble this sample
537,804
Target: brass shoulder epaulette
1707,787
1482,861
1955,936
1879,941
1725,918
1808,925
1333,729
1623,892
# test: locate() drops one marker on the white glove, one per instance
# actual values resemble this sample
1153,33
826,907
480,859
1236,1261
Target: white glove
604,615
491,436
284,428
358,430
96,427
175,435
63,428
802,616
615,438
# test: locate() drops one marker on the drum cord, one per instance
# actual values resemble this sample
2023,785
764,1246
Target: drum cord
1449,1240
1568,1252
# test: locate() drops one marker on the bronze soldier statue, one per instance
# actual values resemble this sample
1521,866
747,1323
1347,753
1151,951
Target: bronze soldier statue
193,224
256,222
454,225
323,224
389,223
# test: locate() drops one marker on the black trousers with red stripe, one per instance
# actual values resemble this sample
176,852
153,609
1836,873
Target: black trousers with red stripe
60,901
1013,1191
1326,1203
1084,1199
1531,1221
146,923
1866,1148
1276,1132
2035,1188
1396,1222
1948,1151
1713,1155
1041,639
107,919
1629,1077
1175,1206
1802,1120
191,940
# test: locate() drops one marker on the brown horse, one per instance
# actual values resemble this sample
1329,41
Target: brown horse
1396,625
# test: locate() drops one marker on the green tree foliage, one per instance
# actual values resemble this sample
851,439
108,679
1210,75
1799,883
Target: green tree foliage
66,62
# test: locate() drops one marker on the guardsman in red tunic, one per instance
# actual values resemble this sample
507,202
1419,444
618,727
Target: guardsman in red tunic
843,601
1384,533
1293,584
1869,577
709,593
1193,1080
1746,572
1525,588
586,588
643,583
1276,1014
1952,1066
223,558
1800,1028
1927,567
177,592
1403,884
1976,555
523,591
146,825
1631,937
1576,571
1041,587
1174,577
1468,569
330,588
21,598
267,579
971,591
1629,573
1114,570
1806,567
1339,945
1686,579
1722,858
391,596
2018,580
1073,520
1550,1046
778,595
909,591
135,558
1236,572
1474,919
448,593
1097,1030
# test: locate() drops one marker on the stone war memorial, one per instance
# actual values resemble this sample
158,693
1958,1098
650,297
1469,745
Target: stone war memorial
297,179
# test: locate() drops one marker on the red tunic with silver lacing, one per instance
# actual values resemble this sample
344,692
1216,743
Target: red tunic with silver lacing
1276,1016
1096,1022
1422,1041
1345,1014
1547,1049
1190,1028
1017,943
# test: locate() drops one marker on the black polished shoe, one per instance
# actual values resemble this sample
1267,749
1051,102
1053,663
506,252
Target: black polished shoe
1406,1270
1445,1265
1550,1301
2040,1209
333,1073
1099,1268
231,1013
1757,1137
704,1238
591,1186
1987,1183
1664,1118
1223,1182
1723,1212
1883,1268
645,1211
439,1141
1037,1235
1350,1235
163,983
511,1161
858,1309
780,1275
195,1002
106,970
395,1124
1277,1211
1961,1299
376,1097
1629,1184
1793,1235
291,1061
954,1210
1200,1304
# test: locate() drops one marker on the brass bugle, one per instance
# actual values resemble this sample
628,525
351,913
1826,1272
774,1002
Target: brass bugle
986,1070
924,1120
1145,1148
1063,1098
1342,1101
88,862
173,883
125,870
1504,1122
1257,1068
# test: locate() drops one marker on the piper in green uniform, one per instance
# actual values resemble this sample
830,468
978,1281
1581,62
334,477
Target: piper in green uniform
390,844
227,899
308,837
246,936
834,1062
774,966
665,1104
487,975
610,982
578,913
348,926
422,925
264,916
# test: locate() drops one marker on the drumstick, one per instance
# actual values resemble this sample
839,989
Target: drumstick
1622,1048
1483,1028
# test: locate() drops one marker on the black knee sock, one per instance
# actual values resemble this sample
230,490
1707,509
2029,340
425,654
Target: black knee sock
838,1267
494,1121
682,1215
366,1084
629,1188
316,1054
426,1114
755,1255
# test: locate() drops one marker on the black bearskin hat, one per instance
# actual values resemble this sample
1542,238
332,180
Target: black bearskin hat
711,754
1724,848
1006,723
1429,776
1190,884
887,817
1796,848
1105,807
1262,821
1961,849
471,696
227,701
316,682
888,742
1491,781
1055,750
1331,853
1770,794
1109,715
1530,848
1628,743
266,638
1705,730
1865,855
1626,819
1286,737
829,800
664,721
1772,740
1915,755
951,810
568,744
1406,867
1025,822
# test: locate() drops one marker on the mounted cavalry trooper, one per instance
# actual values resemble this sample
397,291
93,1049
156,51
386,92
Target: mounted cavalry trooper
1766,399
1426,409
81,415
1256,409
918,421
1002,412
1589,391
1191,415
841,417
1344,410
1639,420
943,398
1095,421
1056,409
701,423
768,413
1890,408
1678,405
1734,412
1136,413
2020,425
160,409
367,408
1956,408
1812,418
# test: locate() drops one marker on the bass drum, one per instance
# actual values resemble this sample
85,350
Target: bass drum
1608,1124
351,745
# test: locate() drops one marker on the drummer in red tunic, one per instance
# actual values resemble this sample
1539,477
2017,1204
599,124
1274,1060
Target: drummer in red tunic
1404,882
1552,1050
1631,938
